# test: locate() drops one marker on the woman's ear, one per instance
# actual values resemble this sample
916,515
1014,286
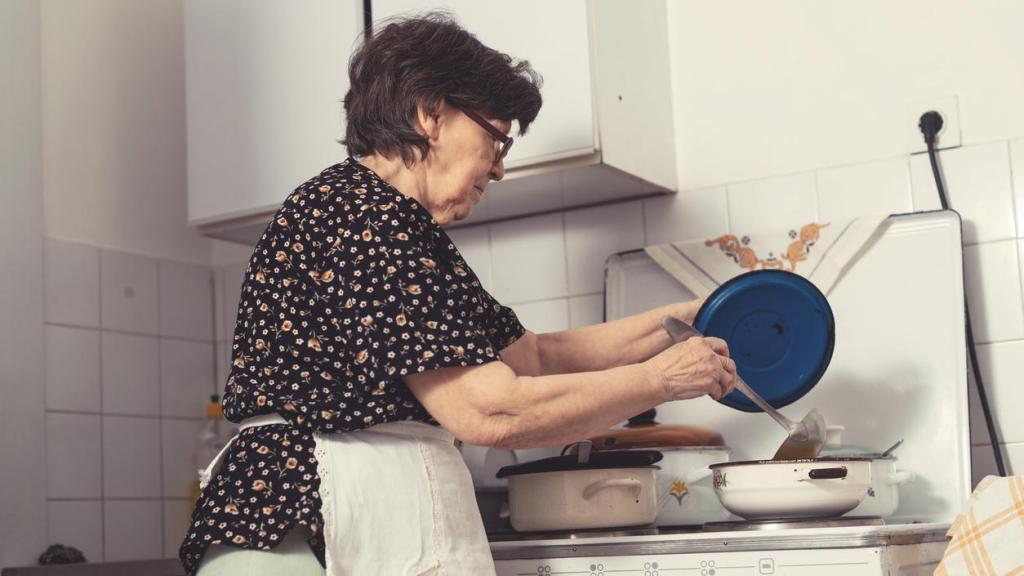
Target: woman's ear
429,120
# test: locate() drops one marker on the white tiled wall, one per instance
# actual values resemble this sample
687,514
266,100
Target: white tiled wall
548,268
129,370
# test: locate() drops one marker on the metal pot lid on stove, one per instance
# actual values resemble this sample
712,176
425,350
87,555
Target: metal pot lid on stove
597,460
780,331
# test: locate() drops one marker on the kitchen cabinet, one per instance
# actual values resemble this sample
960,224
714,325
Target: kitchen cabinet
264,87
554,37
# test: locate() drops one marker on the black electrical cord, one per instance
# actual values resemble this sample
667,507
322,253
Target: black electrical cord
930,124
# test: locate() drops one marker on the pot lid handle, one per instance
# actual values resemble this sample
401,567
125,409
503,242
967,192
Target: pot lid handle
643,419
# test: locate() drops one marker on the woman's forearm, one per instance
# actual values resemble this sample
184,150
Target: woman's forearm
617,343
489,405
558,409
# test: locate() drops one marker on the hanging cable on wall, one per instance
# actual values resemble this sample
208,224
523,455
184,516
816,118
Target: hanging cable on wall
930,125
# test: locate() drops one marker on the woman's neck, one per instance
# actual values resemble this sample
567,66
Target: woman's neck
408,181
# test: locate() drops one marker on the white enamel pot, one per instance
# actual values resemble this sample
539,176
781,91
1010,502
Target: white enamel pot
686,494
582,499
883,494
785,489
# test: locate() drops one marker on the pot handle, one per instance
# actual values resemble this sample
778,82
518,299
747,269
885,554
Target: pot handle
827,473
635,485
899,478
504,511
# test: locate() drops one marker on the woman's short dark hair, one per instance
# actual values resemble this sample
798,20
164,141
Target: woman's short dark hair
425,60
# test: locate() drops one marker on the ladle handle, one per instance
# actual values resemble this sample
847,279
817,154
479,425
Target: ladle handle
680,331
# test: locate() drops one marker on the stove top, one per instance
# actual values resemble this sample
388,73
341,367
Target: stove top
730,526
789,524
513,536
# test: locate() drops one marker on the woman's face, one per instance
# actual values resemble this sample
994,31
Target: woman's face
461,164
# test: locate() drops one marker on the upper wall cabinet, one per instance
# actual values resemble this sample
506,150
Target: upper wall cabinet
266,80
555,38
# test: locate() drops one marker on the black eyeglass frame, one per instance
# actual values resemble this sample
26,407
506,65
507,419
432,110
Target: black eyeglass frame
506,140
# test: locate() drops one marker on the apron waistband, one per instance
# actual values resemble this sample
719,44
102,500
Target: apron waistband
407,428
261,420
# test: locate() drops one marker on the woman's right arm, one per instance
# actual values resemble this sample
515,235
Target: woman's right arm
490,405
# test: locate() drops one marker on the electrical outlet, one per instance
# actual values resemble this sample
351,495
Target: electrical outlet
948,137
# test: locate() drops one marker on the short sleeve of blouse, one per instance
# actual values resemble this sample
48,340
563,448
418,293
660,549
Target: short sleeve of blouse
411,303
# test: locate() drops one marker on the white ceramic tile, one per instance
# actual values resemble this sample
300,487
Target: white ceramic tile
779,203
1014,458
72,283
586,310
132,530
73,457
1017,168
594,234
528,258
77,523
179,456
186,301
992,281
128,287
72,369
474,243
131,374
177,517
219,325
1001,367
131,457
232,277
187,375
876,187
977,181
686,216
222,360
544,316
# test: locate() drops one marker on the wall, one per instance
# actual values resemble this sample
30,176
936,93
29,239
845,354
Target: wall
128,329
129,371
22,472
774,88
113,106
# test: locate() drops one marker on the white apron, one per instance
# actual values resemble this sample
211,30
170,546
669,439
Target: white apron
397,500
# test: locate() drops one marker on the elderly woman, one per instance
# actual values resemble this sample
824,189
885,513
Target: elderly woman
365,344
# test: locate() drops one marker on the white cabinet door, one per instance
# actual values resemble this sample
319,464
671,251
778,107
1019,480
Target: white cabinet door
265,82
554,37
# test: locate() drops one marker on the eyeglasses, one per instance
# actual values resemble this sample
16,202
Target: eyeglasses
506,141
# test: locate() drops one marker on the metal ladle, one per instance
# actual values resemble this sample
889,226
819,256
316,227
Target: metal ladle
805,438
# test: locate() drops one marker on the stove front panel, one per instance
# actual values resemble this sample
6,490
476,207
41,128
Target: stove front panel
834,562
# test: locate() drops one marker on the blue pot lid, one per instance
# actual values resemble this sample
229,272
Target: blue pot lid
780,332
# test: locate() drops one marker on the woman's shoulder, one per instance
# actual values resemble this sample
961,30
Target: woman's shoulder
347,200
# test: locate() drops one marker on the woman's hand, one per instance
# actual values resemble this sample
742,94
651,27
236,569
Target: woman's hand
695,367
690,309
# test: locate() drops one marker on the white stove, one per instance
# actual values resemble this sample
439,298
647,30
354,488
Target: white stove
899,371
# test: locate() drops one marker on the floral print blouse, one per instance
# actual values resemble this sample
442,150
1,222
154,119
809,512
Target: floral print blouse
352,286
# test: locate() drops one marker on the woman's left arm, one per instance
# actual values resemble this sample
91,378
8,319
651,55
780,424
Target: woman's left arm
626,341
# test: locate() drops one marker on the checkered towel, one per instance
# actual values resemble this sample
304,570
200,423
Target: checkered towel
988,538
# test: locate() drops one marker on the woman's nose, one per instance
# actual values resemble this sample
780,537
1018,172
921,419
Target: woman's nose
498,170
